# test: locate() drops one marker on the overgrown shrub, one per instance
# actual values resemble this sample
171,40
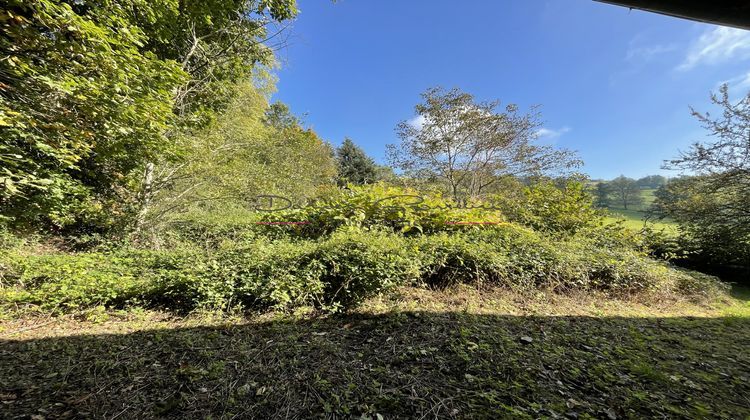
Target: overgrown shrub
356,264
532,259
278,274
401,210
182,281
338,271
547,207
63,282
448,259
211,232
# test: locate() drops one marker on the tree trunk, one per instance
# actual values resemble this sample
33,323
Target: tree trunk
145,197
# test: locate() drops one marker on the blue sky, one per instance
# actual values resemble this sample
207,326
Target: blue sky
613,84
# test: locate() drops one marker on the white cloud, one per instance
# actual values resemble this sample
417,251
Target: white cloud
551,134
717,45
645,53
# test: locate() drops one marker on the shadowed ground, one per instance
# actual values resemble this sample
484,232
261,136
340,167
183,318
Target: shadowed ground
407,364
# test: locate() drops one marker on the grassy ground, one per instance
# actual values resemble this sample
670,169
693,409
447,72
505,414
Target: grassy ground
417,354
635,216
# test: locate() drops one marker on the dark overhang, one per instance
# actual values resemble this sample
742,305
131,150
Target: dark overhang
734,13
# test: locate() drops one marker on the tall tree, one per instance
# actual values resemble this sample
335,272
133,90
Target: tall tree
93,93
713,208
81,108
354,165
601,195
469,145
279,116
727,159
218,44
626,191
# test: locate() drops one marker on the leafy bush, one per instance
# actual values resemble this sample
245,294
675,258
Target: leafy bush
357,264
451,259
212,230
400,210
279,274
698,285
62,282
338,271
183,280
520,258
590,265
547,207
532,259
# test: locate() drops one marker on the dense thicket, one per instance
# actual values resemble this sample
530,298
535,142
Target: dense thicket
252,150
141,134
353,245
94,93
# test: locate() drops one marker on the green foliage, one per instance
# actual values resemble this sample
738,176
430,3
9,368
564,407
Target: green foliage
399,209
518,258
66,282
279,274
547,207
245,154
626,191
258,275
712,207
81,108
652,181
337,272
713,225
449,259
359,264
468,145
279,116
601,195
209,230
334,274
354,166
356,243
92,91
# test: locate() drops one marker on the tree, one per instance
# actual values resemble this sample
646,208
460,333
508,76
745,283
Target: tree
81,108
384,173
626,191
93,93
709,236
652,181
218,44
601,195
354,165
279,116
469,145
713,207
243,155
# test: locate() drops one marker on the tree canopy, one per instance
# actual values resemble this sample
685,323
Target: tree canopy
601,195
354,166
92,91
713,204
626,191
469,144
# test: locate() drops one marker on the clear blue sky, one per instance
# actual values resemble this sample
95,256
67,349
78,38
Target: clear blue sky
613,84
